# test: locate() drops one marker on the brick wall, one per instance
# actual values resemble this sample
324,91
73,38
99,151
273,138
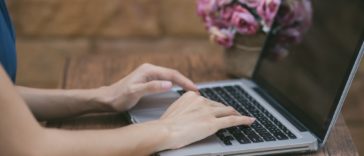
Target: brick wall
48,31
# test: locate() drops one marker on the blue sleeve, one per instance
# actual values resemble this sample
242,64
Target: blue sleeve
7,43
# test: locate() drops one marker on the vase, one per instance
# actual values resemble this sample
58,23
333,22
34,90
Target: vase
241,58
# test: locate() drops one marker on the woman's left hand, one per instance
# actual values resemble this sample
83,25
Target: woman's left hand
146,79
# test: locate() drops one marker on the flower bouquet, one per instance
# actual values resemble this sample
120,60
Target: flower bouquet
241,26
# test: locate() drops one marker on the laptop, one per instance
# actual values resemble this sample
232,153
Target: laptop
296,99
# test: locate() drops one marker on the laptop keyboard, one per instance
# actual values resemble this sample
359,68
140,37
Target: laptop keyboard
266,128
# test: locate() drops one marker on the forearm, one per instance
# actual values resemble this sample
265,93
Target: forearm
21,135
140,139
48,104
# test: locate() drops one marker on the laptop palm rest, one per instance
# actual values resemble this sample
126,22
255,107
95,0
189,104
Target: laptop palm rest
153,106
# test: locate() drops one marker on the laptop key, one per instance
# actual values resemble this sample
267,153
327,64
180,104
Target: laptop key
286,131
227,142
251,134
278,134
221,134
291,135
238,135
262,132
256,139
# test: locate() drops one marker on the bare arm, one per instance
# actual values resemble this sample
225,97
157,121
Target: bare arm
17,125
189,119
21,135
48,104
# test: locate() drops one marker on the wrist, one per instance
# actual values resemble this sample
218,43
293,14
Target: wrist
161,136
101,99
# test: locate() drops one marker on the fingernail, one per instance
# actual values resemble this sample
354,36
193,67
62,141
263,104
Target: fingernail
166,84
195,86
252,120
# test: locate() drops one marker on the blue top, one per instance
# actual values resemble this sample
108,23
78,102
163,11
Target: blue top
7,42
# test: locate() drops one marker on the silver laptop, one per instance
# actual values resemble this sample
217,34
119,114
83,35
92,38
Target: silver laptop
296,100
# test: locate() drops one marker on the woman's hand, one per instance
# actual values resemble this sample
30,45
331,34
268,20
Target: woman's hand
192,118
146,79
53,104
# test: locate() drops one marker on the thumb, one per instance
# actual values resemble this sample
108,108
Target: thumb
153,87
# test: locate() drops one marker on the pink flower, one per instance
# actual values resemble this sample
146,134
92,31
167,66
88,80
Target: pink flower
290,35
251,3
206,7
244,22
214,20
223,37
294,21
267,10
296,14
222,3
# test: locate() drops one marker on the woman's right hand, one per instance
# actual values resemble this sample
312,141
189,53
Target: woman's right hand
192,118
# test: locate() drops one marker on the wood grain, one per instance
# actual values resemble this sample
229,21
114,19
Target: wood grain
97,70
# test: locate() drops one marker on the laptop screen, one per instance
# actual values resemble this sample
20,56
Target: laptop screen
307,57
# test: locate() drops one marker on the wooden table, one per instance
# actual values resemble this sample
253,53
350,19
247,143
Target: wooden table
97,70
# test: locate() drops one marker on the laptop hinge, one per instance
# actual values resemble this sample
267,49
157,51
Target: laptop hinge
293,120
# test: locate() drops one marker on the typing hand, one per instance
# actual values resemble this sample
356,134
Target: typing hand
146,79
192,118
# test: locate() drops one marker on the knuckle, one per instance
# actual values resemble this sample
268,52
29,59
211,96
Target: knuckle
201,99
214,103
174,72
190,93
145,66
230,109
131,91
218,104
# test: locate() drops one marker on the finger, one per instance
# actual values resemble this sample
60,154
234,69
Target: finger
224,111
230,121
153,87
216,104
174,76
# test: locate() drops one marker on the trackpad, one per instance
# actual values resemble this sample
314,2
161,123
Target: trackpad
152,107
